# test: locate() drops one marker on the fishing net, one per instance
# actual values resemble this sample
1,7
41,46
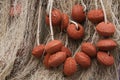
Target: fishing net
18,37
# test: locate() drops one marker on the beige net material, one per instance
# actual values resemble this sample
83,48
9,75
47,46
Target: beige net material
18,37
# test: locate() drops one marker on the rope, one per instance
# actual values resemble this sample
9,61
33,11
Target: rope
105,16
38,43
49,8
83,5
74,23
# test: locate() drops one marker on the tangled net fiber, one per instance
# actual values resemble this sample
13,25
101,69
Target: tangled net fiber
18,37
